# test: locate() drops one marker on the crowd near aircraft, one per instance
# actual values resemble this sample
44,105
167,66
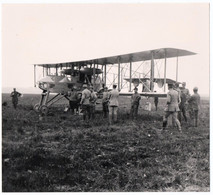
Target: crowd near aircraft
60,78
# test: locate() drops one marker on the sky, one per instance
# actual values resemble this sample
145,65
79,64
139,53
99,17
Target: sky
54,33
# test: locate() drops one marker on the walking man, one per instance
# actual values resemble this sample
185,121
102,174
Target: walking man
15,95
194,106
113,105
85,102
105,102
172,107
135,101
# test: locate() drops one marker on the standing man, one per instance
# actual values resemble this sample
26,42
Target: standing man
194,105
176,88
135,101
182,107
15,95
105,102
73,100
113,105
185,90
85,102
93,99
172,107
156,102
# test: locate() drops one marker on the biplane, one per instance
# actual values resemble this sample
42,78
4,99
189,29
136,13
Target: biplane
60,78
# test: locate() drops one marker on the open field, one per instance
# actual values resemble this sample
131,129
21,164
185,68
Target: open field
63,154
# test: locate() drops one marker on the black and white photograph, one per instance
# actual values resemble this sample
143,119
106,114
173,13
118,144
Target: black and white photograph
105,96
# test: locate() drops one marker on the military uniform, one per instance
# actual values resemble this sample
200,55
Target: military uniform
186,92
85,102
105,103
172,107
194,103
93,99
113,105
73,101
182,107
15,95
135,100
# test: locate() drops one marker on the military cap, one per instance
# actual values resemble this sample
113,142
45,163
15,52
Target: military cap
195,89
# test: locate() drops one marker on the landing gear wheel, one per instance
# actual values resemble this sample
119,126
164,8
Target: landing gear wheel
44,109
37,107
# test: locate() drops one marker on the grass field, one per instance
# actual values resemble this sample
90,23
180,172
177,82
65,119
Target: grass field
61,154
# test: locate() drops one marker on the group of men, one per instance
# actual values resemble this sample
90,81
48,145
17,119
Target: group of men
109,101
86,100
177,99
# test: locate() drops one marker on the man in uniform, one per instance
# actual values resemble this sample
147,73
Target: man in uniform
185,90
15,95
135,101
105,102
176,88
85,102
93,99
182,107
113,104
73,100
194,106
172,107
156,102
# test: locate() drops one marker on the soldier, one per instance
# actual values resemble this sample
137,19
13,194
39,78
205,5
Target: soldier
113,105
93,99
182,107
86,94
185,90
15,95
194,106
156,102
73,100
172,107
105,102
135,101
176,88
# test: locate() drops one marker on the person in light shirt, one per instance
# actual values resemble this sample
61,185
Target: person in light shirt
113,105
172,107
85,102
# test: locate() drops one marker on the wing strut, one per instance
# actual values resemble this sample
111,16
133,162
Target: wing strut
165,73
152,72
93,74
105,72
34,75
177,69
130,75
119,86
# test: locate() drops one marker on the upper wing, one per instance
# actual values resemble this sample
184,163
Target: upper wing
125,58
